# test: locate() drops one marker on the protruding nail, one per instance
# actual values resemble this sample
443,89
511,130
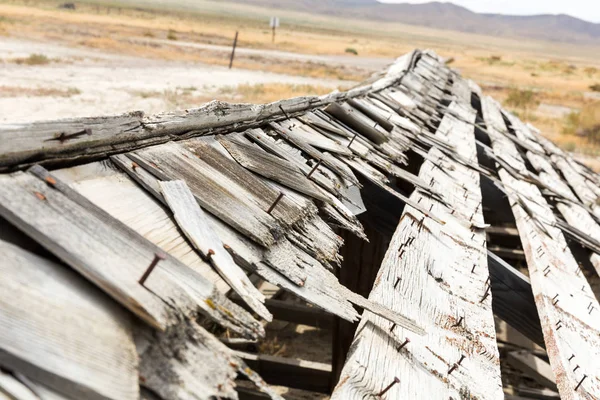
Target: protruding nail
388,387
210,253
407,341
277,200
462,357
460,320
284,113
452,369
314,169
134,166
352,140
398,279
157,257
580,382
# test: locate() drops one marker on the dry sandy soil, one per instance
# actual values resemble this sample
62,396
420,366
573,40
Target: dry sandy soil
87,82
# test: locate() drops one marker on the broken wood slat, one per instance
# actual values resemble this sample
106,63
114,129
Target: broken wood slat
508,254
192,220
439,289
357,121
512,299
563,296
371,112
534,367
112,255
47,313
309,135
502,231
299,314
272,167
294,373
105,186
212,190
280,264
188,362
310,150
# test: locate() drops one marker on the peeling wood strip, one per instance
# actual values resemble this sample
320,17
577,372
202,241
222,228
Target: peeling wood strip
192,220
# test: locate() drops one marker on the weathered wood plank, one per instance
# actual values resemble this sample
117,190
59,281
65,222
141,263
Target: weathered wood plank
192,220
272,167
111,254
111,190
47,313
214,193
444,290
562,295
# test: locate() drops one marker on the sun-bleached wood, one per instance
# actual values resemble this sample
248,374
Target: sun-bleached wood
566,304
192,220
58,329
437,275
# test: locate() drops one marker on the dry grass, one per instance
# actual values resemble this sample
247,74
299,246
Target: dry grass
33,59
191,97
17,91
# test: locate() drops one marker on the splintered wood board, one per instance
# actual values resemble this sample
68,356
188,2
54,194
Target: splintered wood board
59,329
111,254
427,275
568,309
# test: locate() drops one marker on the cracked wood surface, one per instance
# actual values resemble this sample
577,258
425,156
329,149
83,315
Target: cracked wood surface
438,276
566,304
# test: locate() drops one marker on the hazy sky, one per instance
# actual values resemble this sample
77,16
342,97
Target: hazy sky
584,9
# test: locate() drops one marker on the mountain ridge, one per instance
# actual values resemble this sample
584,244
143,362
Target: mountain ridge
449,16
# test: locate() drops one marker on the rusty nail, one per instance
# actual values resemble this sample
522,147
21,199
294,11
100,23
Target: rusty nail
275,202
134,165
580,382
388,387
39,195
576,368
460,320
210,253
157,258
352,140
398,279
573,356
453,368
407,341
50,180
226,247
284,113
487,293
462,357
314,169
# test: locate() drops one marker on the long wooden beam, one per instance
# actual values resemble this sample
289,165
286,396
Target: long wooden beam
567,307
437,275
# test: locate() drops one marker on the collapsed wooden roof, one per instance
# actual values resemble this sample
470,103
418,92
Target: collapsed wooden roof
123,236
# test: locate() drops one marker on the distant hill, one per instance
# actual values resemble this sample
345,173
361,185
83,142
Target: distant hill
557,28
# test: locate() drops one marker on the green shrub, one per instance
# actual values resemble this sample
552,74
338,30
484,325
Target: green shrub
172,35
523,100
351,50
585,122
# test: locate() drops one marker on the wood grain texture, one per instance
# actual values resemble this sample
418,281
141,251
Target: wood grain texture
436,288
563,296
192,220
111,254
22,145
47,313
